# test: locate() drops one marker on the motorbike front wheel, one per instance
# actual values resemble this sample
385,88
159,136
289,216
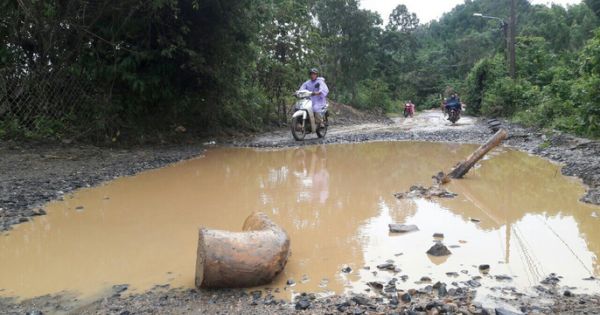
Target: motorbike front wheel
298,130
454,116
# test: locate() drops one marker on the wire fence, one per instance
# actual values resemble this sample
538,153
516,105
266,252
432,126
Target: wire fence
43,102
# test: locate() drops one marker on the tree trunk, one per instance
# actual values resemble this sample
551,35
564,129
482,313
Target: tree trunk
242,259
463,167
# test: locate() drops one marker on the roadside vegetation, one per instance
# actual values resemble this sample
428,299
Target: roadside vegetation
99,71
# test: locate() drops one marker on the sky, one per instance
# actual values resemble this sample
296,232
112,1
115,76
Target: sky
428,10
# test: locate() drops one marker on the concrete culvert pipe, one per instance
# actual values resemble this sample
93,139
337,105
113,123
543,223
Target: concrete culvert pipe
242,259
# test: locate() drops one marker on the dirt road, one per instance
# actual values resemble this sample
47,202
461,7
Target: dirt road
430,123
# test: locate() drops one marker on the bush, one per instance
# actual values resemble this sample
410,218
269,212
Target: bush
551,112
431,102
587,97
480,78
374,94
506,96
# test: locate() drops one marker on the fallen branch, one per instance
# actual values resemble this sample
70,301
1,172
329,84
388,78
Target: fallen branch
463,167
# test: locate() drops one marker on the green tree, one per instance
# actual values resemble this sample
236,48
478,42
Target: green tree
350,36
402,21
594,5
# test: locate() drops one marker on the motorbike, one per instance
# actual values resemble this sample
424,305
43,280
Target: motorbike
454,114
408,110
303,120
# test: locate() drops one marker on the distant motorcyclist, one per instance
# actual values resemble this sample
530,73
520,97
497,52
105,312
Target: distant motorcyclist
453,102
319,90
409,109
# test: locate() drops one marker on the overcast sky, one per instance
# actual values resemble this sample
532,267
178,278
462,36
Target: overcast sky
428,10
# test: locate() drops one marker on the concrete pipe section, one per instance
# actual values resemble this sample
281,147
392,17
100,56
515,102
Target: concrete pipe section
249,258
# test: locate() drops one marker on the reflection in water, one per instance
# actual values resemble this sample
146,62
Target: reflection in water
335,202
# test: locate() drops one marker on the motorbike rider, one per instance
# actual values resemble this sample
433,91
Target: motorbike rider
319,90
410,106
453,102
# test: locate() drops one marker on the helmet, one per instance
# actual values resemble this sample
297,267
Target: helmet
313,70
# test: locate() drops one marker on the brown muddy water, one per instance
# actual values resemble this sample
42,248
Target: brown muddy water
335,202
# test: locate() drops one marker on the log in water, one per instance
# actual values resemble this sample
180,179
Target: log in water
463,167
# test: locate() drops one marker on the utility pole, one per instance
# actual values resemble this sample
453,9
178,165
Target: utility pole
512,30
509,29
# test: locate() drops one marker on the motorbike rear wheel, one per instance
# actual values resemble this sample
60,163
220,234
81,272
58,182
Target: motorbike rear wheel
322,131
298,130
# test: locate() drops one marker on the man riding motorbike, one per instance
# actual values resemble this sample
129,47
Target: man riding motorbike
319,91
453,102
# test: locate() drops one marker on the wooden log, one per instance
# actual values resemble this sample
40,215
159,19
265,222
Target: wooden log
463,167
241,259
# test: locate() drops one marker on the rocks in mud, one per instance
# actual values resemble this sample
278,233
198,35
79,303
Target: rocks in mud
503,278
551,279
475,220
438,250
302,304
434,305
402,228
256,295
428,300
324,283
361,299
270,300
375,285
304,279
387,266
304,301
590,278
425,279
494,125
484,268
567,293
120,288
343,306
440,178
290,282
441,289
428,193
438,235
406,297
39,212
503,311
346,269
473,283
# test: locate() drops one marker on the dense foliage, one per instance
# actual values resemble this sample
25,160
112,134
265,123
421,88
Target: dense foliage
214,65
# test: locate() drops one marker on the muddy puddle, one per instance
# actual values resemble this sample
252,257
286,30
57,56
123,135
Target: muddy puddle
335,202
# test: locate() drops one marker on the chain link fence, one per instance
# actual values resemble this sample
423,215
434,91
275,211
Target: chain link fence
43,103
